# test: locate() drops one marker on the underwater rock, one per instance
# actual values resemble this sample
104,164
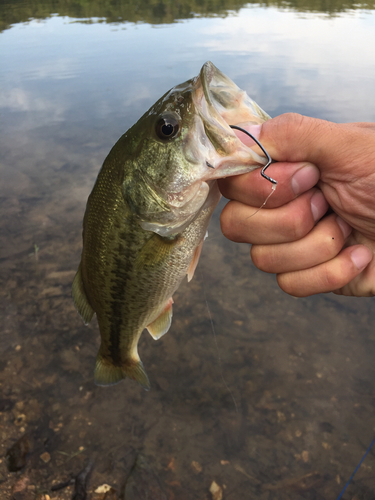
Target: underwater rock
15,457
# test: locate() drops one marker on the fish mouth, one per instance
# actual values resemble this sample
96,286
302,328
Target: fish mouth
221,103
232,103
211,144
210,148
219,91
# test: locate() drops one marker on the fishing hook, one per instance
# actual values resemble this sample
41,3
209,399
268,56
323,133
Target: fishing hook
274,182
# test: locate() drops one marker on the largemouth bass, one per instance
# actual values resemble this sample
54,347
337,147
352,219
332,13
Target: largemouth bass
148,213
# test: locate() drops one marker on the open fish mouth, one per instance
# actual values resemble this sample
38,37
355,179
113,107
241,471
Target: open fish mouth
222,95
221,103
229,101
232,103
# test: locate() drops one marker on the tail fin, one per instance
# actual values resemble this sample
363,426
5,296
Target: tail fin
106,373
136,371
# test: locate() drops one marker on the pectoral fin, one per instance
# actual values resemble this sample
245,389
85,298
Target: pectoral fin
194,261
162,323
80,298
155,252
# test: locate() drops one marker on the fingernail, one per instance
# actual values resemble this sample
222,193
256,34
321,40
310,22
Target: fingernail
344,226
319,205
361,256
305,178
254,130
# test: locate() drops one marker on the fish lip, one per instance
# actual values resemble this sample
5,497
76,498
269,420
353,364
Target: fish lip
208,73
206,76
221,103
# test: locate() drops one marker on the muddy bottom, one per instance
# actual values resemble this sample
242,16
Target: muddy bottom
255,395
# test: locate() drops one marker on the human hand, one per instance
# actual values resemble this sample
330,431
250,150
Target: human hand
321,165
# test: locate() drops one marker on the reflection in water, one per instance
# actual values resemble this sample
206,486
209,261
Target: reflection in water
301,371
157,11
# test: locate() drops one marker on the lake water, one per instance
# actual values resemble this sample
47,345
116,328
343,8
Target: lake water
277,401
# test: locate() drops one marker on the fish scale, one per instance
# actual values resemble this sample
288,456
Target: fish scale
149,211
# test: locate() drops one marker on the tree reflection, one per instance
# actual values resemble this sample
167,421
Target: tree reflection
156,11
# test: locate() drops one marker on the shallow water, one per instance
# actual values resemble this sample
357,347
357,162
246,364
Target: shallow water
276,400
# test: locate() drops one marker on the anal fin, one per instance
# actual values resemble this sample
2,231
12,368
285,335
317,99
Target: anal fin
80,299
162,323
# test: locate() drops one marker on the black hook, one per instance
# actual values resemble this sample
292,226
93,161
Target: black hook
274,182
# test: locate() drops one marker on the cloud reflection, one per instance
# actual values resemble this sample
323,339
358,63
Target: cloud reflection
287,62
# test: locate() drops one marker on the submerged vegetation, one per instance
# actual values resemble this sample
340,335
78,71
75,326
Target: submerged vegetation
155,11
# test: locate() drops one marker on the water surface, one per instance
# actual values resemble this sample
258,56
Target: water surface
276,401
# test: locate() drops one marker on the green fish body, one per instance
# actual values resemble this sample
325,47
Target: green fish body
148,214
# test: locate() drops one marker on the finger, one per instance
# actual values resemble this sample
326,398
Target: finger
246,224
363,285
329,276
294,138
321,244
292,179
368,125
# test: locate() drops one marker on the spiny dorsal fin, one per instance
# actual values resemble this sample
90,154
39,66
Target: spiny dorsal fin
162,323
80,299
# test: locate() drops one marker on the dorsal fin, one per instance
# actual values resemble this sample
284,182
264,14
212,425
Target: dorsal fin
80,298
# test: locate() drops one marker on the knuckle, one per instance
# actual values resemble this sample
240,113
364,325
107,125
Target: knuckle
296,227
267,258
335,276
227,222
224,186
304,127
258,257
291,120
331,246
290,285
224,221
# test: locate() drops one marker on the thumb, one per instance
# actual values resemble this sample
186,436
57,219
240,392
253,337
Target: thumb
292,137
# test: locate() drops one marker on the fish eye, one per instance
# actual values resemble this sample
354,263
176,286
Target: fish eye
167,127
